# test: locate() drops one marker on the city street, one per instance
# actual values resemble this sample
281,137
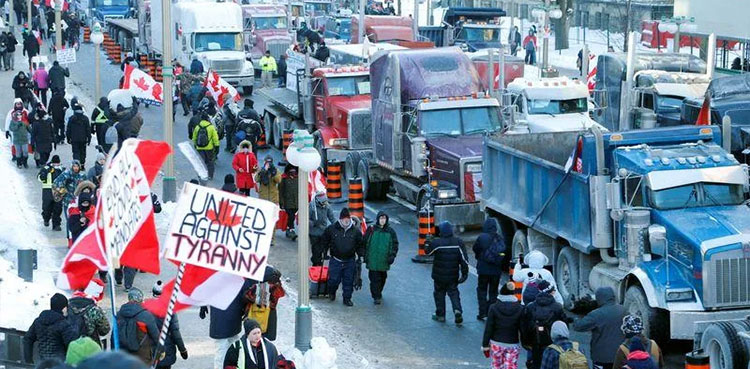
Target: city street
397,334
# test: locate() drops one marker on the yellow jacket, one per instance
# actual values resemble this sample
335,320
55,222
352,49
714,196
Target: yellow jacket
213,137
268,64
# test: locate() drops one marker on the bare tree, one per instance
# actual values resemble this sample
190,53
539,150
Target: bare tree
562,25
628,12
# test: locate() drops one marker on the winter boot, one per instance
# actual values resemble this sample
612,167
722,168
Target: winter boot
459,317
377,301
46,222
56,228
19,163
438,318
26,162
332,296
348,302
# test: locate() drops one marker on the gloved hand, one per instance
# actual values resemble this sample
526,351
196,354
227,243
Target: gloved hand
463,278
326,257
391,259
7,135
184,354
203,312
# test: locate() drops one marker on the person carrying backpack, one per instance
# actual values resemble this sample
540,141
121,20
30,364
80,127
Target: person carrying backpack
51,330
537,322
206,141
632,327
639,358
604,324
489,250
86,317
137,329
563,353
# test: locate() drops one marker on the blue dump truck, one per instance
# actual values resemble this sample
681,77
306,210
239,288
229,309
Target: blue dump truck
659,215
103,10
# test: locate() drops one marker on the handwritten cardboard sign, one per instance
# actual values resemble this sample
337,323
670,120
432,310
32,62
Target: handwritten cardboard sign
66,56
222,231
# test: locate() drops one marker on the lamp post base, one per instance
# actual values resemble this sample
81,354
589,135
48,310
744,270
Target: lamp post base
169,189
302,328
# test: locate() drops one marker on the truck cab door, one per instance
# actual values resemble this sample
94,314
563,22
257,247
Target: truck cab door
319,92
410,129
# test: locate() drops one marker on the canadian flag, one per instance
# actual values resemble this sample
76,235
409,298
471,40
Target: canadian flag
316,182
142,85
199,287
84,258
220,89
591,77
575,161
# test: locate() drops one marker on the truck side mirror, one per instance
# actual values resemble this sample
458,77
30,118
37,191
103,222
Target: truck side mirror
657,237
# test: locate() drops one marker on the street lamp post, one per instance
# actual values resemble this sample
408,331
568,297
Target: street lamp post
546,12
303,155
169,184
58,30
11,16
97,37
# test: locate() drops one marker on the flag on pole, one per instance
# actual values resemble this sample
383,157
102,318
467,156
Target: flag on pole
704,115
591,77
142,85
84,258
575,160
220,89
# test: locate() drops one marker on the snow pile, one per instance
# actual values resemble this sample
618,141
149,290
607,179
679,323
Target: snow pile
21,301
164,219
320,356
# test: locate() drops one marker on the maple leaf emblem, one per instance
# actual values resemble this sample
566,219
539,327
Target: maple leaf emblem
141,83
156,92
224,217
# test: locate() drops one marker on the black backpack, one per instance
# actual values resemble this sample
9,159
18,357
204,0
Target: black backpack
127,332
78,321
542,326
202,139
495,253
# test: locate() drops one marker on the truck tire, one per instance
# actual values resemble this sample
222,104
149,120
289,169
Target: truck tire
363,172
655,323
520,244
351,164
723,346
566,275
277,134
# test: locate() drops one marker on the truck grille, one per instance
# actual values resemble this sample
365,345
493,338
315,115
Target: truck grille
360,130
726,282
277,48
227,66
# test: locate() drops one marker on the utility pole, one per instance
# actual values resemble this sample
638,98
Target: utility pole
169,184
545,37
28,15
58,27
415,20
12,16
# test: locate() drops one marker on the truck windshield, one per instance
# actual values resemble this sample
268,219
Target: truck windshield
739,116
669,103
457,122
348,86
697,194
317,8
270,23
218,41
100,3
479,34
579,105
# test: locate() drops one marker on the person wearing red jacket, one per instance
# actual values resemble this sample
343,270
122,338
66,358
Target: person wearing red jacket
79,221
245,164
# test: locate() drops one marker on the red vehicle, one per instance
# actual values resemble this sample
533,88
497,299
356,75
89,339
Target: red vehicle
266,27
514,67
388,28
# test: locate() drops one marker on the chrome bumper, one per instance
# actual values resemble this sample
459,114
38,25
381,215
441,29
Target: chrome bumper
683,325
462,214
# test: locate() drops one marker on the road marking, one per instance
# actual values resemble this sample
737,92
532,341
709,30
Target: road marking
402,202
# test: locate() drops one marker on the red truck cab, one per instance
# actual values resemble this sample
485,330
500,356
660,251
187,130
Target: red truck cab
266,27
388,28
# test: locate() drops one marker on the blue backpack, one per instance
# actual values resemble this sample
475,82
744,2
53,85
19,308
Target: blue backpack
496,252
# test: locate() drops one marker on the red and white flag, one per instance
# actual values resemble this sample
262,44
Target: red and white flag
84,258
591,77
200,287
220,89
316,182
704,115
142,85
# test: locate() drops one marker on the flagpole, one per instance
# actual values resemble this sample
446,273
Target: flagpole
112,263
170,312
115,337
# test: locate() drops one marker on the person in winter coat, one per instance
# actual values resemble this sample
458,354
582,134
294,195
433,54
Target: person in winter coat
449,269
529,44
128,122
502,333
381,248
22,87
632,328
57,107
230,124
268,179
252,350
206,141
10,57
536,260
79,133
514,40
321,217
344,243
57,76
95,173
21,132
51,330
94,321
4,51
537,321
174,342
245,165
267,294
80,220
281,66
196,67
80,350
100,117
229,185
604,324
560,342
42,134
322,53
488,269
638,356
67,182
41,82
30,46
51,209
195,94
147,336
226,325
268,68
288,197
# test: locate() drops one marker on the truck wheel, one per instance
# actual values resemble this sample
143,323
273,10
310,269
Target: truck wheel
350,165
422,201
723,346
247,90
520,243
655,324
566,275
363,172
268,121
278,134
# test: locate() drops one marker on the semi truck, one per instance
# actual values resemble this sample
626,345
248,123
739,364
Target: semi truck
103,10
210,31
428,118
387,28
658,215
471,29
266,27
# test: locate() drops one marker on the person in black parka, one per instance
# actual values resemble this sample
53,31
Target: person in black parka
345,244
502,333
537,323
51,330
174,342
57,76
449,269
57,107
42,134
489,271
79,132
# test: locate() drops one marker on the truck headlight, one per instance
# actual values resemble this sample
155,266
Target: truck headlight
248,66
474,168
447,194
338,142
682,294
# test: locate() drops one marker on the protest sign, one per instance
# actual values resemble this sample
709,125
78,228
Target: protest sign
222,231
66,56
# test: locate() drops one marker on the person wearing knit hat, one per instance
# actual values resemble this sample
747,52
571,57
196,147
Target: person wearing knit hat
87,316
229,185
639,358
539,317
173,341
51,330
80,350
112,359
252,351
502,332
345,244
140,343
51,209
560,343
95,172
321,216
632,327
